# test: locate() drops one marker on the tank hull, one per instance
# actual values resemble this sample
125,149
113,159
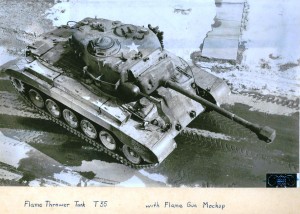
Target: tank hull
104,112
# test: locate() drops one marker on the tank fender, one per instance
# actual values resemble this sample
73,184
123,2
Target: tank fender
33,81
214,87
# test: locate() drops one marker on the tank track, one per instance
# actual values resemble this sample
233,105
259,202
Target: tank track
279,100
96,145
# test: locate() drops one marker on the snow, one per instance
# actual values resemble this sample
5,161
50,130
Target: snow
265,81
14,150
71,178
183,33
213,135
118,174
272,41
5,56
154,176
4,174
261,106
42,182
134,181
273,28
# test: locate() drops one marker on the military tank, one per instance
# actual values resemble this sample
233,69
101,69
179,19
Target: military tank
116,87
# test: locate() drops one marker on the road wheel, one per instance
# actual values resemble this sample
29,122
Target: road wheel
53,108
36,98
89,129
70,118
107,140
131,155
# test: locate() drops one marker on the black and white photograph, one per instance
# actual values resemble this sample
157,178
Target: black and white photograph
128,93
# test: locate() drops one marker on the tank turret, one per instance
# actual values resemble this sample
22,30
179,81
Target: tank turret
128,58
116,87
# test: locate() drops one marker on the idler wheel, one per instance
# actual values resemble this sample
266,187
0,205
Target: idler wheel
18,84
70,118
107,140
53,108
36,98
89,129
131,155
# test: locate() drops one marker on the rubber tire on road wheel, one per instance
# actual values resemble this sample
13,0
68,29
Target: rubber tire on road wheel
131,155
70,118
36,98
88,129
107,140
53,108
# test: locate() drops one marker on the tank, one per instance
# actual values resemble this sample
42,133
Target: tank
116,87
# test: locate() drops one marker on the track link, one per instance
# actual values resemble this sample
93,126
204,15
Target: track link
279,100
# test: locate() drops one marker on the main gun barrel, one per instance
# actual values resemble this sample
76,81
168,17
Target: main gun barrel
264,133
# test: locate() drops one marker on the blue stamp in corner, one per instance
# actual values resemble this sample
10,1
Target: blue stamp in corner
278,180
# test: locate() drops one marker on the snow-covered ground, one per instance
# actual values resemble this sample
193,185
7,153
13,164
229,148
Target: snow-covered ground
273,29
271,60
5,56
